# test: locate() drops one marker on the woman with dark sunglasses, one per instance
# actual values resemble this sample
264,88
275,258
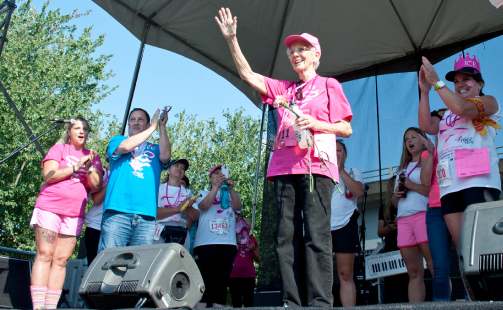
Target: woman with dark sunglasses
303,181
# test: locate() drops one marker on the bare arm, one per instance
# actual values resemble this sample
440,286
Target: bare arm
132,142
207,201
228,26
236,201
384,230
256,252
340,129
52,173
192,213
94,180
418,188
164,144
99,196
163,213
453,101
355,187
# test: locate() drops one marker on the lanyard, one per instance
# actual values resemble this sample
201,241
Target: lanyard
408,175
139,149
177,201
292,96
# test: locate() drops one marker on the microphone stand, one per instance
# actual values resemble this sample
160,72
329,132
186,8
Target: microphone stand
362,237
30,142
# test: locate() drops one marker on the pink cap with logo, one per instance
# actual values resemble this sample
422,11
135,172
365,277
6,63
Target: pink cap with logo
467,65
306,37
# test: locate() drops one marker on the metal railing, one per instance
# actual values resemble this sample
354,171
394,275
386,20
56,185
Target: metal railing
388,172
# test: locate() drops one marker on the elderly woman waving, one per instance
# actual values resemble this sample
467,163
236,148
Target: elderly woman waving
312,107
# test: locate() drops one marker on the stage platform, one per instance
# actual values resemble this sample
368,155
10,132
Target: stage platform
449,305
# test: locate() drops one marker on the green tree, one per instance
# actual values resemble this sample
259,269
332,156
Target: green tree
205,144
50,73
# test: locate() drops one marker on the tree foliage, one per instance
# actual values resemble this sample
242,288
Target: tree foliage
205,144
50,73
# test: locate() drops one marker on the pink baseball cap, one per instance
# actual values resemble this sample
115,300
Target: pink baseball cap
468,65
306,37
214,168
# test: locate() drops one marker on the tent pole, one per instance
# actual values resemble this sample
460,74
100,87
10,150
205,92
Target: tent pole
378,141
257,170
135,78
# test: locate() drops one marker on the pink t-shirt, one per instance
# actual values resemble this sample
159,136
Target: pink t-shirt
67,197
293,159
434,197
243,264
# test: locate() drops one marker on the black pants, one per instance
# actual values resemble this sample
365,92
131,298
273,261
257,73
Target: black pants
396,289
305,261
242,291
92,239
215,262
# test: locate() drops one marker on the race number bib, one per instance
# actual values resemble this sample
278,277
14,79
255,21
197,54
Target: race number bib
219,226
444,178
157,233
286,135
470,162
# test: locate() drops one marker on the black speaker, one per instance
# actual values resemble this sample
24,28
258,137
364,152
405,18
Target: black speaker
481,250
158,276
15,283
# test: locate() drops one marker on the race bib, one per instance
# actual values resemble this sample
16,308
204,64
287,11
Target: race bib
286,135
158,230
326,145
470,162
219,226
443,173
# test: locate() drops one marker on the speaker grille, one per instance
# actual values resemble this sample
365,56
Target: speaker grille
491,263
93,287
128,287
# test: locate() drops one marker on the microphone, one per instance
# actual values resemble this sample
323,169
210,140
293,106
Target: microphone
66,121
366,188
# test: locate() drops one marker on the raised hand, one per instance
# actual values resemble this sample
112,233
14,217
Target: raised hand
429,72
155,119
83,161
428,144
227,24
424,85
92,156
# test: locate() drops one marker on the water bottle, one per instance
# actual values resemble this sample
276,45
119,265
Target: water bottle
401,185
224,196
299,133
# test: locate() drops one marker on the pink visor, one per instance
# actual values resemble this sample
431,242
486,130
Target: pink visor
214,168
306,37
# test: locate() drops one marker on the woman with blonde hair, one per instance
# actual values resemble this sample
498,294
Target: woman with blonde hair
70,172
411,199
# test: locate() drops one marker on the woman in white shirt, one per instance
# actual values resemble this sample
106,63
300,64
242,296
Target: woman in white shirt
171,224
215,243
344,224
411,215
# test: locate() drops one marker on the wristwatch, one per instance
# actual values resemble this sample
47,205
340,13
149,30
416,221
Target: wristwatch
440,84
91,169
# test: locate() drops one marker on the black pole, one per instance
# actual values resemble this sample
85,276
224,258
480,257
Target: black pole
21,118
12,6
257,170
30,142
378,140
135,78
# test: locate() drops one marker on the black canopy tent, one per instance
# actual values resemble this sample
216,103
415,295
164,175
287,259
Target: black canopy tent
359,38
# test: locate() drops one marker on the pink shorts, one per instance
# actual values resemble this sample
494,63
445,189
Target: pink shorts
412,230
61,224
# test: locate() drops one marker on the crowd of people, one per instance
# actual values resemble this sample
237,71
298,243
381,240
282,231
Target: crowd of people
315,192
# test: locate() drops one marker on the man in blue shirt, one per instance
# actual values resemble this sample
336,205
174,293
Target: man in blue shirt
130,204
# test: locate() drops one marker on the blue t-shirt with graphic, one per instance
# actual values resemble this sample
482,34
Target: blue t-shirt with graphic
133,184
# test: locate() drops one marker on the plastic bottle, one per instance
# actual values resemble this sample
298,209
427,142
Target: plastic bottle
401,185
299,133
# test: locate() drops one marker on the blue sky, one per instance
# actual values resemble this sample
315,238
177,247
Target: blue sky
167,78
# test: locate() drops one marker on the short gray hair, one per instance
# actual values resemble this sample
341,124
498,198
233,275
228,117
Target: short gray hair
312,49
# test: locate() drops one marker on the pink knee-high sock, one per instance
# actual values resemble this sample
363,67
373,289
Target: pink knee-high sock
52,298
38,296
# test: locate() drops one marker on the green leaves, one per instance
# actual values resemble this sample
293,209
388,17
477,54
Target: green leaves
49,73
